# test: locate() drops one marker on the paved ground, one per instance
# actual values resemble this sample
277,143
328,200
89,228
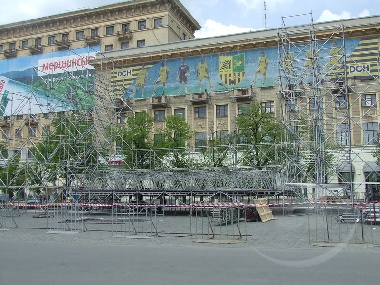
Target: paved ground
291,249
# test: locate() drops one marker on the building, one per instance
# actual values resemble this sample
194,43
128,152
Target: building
44,67
319,80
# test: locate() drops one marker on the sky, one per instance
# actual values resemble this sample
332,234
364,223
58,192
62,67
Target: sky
216,17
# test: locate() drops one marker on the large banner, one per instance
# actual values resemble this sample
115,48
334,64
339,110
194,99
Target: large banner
49,82
258,68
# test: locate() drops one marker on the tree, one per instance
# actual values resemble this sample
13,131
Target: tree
173,139
261,132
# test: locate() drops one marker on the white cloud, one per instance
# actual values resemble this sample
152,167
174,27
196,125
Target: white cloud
259,4
364,13
212,29
327,15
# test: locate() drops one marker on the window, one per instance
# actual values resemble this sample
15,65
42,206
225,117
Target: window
290,105
30,154
65,37
94,32
110,30
267,107
45,131
141,25
159,115
312,104
221,110
121,119
141,43
24,44
46,115
18,133
158,22
368,100
19,117
200,139
341,102
79,35
126,27
180,112
124,45
370,131
1,48
108,47
342,134
51,40
32,132
37,42
158,138
5,134
12,46
243,107
222,136
184,36
200,112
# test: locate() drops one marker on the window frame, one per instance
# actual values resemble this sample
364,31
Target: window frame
370,133
157,22
108,47
267,105
24,44
79,35
159,115
181,112
51,40
141,25
368,100
221,111
200,139
200,112
122,45
110,30
141,43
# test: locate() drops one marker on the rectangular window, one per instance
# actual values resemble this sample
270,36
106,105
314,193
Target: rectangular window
37,42
200,112
1,48
51,40
267,107
5,133
291,105
222,136
200,139
180,112
141,43
368,100
24,44
30,154
158,22
370,131
108,47
79,35
110,30
158,138
243,107
46,131
342,134
125,27
32,132
121,119
12,46
141,25
65,37
184,36
19,117
159,115
341,102
221,111
312,104
94,33
18,133
124,45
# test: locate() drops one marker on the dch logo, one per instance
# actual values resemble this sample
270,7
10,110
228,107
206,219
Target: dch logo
360,68
124,73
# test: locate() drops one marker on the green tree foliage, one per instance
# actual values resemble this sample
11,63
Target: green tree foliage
261,132
172,140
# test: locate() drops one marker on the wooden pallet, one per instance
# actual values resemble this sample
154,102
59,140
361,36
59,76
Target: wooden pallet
263,209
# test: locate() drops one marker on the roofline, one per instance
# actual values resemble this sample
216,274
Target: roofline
95,9
257,35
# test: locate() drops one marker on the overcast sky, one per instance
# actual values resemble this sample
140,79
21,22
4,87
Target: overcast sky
217,17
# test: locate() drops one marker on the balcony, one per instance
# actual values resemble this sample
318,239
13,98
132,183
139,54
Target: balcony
10,53
92,40
124,35
159,102
200,98
65,44
242,94
5,122
121,105
32,120
35,49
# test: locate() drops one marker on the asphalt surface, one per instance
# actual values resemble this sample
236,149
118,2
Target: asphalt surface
301,248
